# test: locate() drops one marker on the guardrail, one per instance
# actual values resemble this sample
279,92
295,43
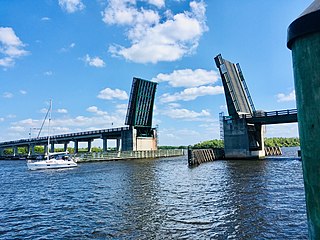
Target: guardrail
87,133
271,113
262,114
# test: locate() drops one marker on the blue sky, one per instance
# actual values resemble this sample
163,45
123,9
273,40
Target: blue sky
84,53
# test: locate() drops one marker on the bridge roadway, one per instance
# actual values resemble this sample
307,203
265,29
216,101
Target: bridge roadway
273,117
88,136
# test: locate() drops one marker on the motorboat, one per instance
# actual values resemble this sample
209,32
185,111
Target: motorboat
53,161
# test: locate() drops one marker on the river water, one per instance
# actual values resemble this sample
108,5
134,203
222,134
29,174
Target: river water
155,199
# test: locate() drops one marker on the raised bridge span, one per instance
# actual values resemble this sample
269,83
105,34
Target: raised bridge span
243,129
272,117
138,135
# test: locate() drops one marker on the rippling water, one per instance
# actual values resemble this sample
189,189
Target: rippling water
155,199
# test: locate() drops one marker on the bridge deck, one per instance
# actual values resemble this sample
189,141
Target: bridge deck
80,136
272,117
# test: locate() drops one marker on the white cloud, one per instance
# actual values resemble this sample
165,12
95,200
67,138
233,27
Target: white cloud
23,92
100,120
185,114
71,6
7,95
43,110
1,119
48,73
158,3
174,105
188,77
282,130
94,109
94,61
122,109
122,106
66,49
281,97
153,40
11,47
62,110
19,129
11,116
109,94
124,12
223,107
191,93
45,19
174,137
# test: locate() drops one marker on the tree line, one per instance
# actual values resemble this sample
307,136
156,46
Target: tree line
216,143
40,150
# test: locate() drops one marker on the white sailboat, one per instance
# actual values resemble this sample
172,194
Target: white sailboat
52,160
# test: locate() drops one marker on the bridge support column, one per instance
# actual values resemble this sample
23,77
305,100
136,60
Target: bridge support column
1,152
243,140
118,146
30,149
128,140
89,145
65,146
105,144
52,148
15,151
45,148
76,146
304,41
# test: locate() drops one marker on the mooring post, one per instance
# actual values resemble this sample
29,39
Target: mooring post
304,41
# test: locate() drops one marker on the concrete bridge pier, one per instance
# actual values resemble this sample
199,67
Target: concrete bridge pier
76,146
30,149
65,146
304,41
89,145
15,151
118,146
243,140
105,145
52,147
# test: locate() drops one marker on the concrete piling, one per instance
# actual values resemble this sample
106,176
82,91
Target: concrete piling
304,41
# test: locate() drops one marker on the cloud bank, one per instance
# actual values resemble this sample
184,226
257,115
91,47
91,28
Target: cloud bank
11,47
155,35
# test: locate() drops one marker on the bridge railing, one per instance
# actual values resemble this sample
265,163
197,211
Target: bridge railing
262,114
271,113
27,140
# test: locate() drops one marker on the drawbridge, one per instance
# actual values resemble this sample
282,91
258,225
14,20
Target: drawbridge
243,128
138,135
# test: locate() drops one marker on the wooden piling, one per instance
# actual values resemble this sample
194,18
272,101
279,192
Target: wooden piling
198,156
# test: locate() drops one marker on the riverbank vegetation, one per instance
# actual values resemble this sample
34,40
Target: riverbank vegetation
215,143
282,142
268,142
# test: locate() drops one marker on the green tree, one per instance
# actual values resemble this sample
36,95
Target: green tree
215,143
282,142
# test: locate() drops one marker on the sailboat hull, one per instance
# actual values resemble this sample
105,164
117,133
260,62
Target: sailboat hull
50,164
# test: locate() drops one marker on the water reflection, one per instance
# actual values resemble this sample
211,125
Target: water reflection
157,199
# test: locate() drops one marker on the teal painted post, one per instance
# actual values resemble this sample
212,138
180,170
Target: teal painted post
304,41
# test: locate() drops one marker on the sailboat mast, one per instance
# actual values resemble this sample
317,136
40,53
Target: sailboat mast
50,108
